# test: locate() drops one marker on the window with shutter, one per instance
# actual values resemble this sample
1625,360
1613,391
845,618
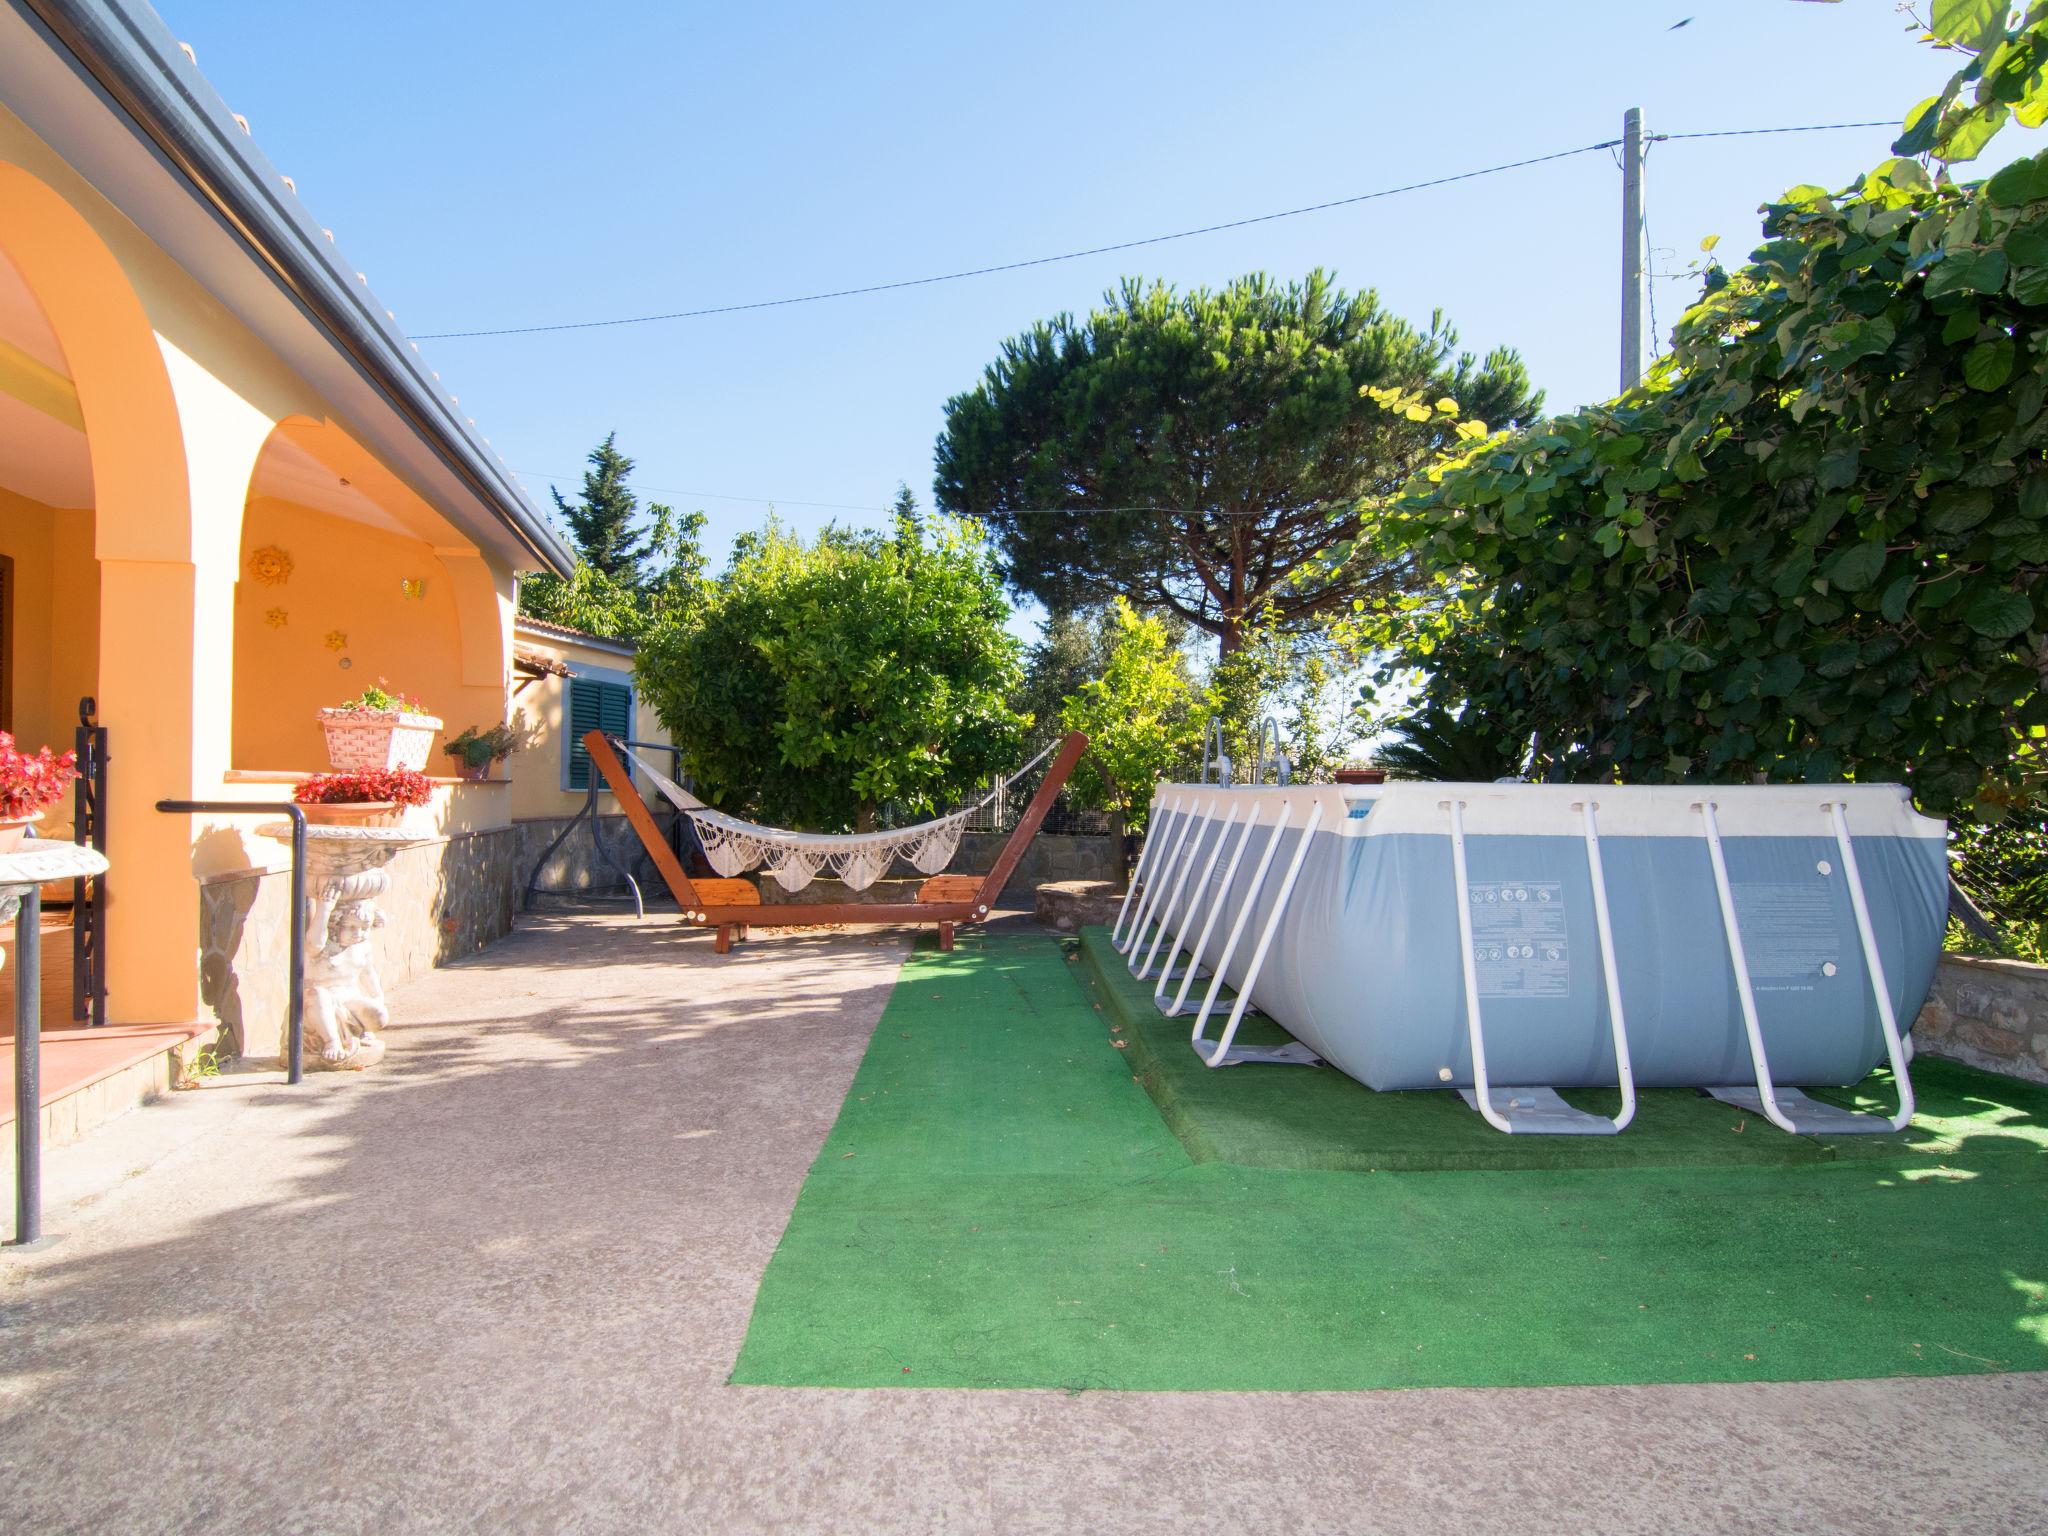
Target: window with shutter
593,705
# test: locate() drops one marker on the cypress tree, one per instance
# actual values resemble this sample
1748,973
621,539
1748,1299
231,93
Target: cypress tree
601,519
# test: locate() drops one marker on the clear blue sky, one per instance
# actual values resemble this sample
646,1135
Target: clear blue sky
522,163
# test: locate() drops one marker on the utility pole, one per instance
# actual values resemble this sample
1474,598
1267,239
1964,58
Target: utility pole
1631,248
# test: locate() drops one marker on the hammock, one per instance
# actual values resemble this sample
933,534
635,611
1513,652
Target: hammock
793,859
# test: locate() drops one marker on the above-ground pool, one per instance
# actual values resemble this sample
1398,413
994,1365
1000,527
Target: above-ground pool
1358,943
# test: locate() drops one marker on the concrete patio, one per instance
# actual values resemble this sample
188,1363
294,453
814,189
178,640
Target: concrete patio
498,1284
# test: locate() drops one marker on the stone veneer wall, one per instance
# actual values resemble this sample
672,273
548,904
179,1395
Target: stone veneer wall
448,898
1988,1013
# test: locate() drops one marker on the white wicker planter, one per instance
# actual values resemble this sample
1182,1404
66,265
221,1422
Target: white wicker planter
395,740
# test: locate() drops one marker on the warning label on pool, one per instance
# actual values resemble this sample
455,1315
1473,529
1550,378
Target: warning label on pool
1518,939
1790,933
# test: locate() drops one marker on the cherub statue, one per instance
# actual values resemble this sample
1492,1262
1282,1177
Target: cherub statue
344,999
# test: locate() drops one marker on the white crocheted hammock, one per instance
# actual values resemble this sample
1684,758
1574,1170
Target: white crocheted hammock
794,858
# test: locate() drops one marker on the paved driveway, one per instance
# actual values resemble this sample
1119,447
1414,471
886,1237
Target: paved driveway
497,1284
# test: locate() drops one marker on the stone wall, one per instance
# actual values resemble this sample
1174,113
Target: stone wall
1047,857
448,898
577,868
1988,1013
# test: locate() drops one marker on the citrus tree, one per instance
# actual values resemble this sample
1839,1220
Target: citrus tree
816,684
1144,717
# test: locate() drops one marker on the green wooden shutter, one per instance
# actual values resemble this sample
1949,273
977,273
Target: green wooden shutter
594,706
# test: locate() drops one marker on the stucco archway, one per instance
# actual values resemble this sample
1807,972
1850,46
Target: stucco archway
148,629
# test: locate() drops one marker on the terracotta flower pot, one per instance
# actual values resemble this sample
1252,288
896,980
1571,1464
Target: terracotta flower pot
354,813
395,739
13,830
476,773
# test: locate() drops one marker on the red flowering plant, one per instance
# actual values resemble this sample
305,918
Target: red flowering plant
30,783
366,786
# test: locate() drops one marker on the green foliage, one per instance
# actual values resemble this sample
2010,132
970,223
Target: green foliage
1201,453
2005,76
1073,649
474,748
816,683
587,599
1433,744
1808,547
600,604
601,518
1143,717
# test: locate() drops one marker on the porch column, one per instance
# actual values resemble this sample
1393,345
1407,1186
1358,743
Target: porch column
166,693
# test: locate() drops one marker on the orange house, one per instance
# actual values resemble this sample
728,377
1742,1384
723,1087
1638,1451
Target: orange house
231,492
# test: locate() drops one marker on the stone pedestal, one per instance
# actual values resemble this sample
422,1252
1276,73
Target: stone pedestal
345,1012
1067,906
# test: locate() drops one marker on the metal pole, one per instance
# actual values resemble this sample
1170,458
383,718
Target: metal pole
1631,248
295,1028
28,1052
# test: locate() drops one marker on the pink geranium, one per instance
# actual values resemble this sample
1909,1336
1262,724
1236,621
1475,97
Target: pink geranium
366,786
32,783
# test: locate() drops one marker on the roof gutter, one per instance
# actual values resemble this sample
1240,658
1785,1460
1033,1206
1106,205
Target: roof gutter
135,61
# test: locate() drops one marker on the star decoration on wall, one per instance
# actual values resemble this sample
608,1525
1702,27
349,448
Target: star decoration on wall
337,640
277,618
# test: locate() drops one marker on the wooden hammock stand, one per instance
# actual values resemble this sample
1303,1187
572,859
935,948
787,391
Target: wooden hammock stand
730,906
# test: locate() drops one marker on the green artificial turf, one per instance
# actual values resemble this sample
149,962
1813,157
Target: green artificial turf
1002,1204
1301,1117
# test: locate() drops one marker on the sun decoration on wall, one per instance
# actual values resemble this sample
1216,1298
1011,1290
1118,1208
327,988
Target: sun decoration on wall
271,566
277,618
337,640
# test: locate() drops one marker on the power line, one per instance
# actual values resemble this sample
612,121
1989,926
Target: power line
842,506
1103,250
1746,133
662,490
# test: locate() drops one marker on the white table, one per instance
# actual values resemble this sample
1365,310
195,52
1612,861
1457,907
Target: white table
23,874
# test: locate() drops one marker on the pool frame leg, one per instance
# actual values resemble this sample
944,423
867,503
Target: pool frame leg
1160,874
1237,926
1475,1033
1201,825
1887,1017
1216,902
1767,1096
1251,974
1188,917
1161,832
1145,855
1624,1068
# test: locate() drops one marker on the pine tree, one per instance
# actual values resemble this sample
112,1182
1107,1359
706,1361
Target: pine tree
601,519
904,516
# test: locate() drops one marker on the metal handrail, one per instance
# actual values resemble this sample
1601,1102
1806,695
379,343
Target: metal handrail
295,1049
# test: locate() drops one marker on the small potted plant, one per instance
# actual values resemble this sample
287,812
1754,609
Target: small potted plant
363,797
477,752
30,783
379,729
